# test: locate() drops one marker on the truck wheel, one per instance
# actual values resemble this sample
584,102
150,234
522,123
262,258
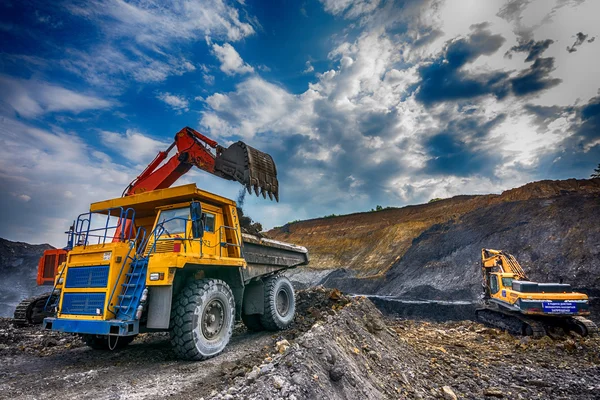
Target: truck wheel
252,322
280,303
97,342
202,319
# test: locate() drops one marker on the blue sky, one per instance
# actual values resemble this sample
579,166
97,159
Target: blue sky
360,102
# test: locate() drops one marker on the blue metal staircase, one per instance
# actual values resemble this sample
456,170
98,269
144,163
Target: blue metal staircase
132,289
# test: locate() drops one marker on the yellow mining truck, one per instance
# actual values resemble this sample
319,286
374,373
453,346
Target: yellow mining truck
172,260
514,303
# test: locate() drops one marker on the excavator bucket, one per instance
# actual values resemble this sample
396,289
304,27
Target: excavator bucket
250,167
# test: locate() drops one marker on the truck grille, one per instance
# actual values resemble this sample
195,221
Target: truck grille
162,246
82,303
87,277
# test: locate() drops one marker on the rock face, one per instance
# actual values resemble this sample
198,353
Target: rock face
18,268
552,239
432,251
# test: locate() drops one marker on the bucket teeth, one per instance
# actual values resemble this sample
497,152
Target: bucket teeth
270,195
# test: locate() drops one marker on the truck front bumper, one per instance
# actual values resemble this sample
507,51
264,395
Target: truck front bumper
93,327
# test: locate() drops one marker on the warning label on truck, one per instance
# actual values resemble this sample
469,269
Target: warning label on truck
565,307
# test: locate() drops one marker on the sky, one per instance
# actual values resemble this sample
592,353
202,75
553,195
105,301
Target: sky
360,103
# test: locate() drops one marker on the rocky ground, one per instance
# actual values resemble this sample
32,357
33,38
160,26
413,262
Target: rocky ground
338,348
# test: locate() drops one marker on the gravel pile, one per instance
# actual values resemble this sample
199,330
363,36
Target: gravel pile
356,352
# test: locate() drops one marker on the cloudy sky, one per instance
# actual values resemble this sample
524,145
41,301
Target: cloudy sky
360,103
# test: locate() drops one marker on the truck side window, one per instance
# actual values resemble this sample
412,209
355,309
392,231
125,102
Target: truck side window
210,222
494,284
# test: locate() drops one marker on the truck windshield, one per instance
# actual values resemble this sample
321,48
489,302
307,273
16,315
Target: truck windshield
507,282
174,220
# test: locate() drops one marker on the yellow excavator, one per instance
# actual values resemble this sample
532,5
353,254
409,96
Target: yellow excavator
513,303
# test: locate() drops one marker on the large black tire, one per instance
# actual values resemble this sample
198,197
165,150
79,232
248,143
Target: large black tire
202,319
252,322
97,342
280,303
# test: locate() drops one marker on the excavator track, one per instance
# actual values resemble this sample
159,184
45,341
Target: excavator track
590,327
515,324
30,311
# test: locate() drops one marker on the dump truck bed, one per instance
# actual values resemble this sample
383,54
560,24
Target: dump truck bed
265,256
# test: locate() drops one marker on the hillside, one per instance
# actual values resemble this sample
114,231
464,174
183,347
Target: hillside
428,249
18,267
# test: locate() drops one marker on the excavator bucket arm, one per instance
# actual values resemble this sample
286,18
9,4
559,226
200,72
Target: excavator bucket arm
239,162
250,167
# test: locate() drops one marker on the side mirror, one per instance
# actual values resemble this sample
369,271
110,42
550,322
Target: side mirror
197,221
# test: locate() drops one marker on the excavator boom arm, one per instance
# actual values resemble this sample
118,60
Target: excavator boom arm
506,262
240,162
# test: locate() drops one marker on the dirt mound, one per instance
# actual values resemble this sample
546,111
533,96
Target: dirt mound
358,353
344,356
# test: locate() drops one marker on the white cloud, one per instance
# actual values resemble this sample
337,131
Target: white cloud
153,23
177,103
142,38
256,106
231,62
133,145
350,8
110,68
355,138
31,98
309,68
46,166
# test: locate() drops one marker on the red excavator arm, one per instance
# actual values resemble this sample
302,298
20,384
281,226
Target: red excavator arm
252,168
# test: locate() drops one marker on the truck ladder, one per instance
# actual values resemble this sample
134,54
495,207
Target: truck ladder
132,289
